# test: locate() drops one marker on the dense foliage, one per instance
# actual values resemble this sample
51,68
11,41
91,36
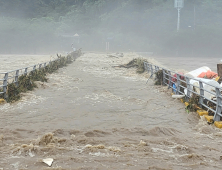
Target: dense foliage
145,25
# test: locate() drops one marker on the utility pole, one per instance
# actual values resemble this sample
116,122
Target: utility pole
178,20
194,16
178,4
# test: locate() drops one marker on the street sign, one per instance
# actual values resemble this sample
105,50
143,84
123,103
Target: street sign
178,4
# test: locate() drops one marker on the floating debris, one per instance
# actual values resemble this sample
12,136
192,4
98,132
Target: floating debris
193,103
142,143
178,96
137,62
48,161
159,78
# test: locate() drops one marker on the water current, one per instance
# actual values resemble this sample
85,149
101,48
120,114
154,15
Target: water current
91,115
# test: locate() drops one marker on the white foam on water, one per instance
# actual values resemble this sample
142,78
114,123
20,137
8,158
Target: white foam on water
100,154
28,98
162,150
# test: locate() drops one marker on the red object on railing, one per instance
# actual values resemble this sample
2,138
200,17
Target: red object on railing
174,78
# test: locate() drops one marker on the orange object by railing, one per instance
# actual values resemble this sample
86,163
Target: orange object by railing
209,74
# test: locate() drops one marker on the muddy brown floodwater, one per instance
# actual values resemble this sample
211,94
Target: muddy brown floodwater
91,115
188,63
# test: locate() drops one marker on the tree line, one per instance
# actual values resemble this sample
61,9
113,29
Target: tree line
129,25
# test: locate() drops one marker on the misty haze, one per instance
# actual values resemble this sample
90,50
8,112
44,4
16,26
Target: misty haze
110,84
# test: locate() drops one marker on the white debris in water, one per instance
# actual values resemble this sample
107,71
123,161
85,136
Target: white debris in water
142,143
27,99
99,154
162,150
31,154
48,161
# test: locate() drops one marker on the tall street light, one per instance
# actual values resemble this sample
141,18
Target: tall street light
178,4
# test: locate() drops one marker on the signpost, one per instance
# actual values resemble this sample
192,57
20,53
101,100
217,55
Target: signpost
108,39
77,36
107,46
178,4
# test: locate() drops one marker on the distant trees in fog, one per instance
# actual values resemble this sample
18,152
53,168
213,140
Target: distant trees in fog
145,25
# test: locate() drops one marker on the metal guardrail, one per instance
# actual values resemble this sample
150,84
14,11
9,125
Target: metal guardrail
179,89
13,75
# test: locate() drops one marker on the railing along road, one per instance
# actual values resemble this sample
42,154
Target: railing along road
179,88
13,75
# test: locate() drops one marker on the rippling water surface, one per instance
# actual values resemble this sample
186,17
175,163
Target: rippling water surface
91,115
189,63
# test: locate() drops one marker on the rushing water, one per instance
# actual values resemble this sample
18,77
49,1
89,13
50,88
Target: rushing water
91,115
12,62
189,63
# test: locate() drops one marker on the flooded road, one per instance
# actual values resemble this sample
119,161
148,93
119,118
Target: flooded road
91,115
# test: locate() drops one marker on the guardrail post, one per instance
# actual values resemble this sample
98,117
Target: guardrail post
26,71
201,94
34,67
170,79
178,84
156,68
144,64
148,67
44,65
5,84
151,70
16,77
40,65
60,62
218,109
164,77
188,88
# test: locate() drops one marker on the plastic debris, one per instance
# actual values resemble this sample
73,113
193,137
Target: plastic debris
48,161
197,72
178,96
174,88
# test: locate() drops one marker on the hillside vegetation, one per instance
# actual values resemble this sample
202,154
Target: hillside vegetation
129,25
